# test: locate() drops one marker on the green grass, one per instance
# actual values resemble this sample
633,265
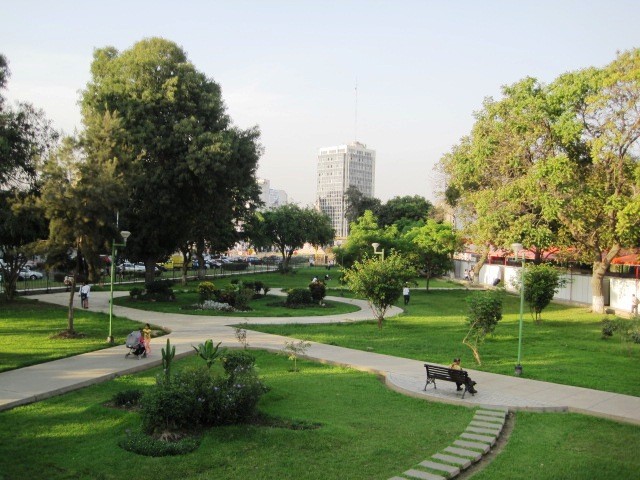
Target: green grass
367,431
551,446
27,327
565,348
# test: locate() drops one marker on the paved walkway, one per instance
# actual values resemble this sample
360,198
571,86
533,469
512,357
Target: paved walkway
29,384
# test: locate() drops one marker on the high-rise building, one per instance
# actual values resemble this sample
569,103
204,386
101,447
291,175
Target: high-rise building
339,168
271,198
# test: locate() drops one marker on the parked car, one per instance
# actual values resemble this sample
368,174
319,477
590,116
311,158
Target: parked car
253,260
128,267
25,273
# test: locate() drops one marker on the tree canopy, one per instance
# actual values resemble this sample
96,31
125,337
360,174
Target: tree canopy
181,158
555,165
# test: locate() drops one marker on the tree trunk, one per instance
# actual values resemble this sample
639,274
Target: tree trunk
149,270
481,261
71,295
600,268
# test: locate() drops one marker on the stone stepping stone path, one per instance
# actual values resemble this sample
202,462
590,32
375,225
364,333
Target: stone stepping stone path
475,442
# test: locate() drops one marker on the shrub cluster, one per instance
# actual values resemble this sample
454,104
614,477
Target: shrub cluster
206,291
318,291
158,290
238,362
194,399
127,398
297,297
235,266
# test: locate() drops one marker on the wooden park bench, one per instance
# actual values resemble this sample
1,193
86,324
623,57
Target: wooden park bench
435,372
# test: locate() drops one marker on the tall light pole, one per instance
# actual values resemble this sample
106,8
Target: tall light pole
517,248
375,250
124,234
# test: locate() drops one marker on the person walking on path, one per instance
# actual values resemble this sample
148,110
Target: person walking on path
470,383
406,293
85,289
146,334
634,305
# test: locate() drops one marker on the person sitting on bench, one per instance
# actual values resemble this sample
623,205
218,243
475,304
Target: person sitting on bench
470,383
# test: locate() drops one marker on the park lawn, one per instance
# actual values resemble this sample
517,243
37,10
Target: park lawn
367,431
27,327
267,306
551,446
566,347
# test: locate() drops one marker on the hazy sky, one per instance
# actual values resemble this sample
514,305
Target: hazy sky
290,67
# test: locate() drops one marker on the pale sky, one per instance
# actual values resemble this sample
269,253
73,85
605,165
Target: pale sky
290,67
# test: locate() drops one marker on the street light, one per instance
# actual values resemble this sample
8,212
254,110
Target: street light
375,246
517,248
124,234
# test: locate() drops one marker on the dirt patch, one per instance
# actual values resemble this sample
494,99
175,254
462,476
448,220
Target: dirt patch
67,335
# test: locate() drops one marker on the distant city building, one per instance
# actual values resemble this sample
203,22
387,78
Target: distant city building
339,168
271,198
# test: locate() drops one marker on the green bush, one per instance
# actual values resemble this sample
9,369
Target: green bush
177,403
237,362
235,266
127,398
195,399
206,291
138,442
243,297
318,291
608,328
298,296
160,290
136,292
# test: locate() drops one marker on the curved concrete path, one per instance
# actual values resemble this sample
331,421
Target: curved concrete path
29,384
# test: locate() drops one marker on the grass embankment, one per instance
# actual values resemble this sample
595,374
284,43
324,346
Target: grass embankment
28,330
367,432
565,348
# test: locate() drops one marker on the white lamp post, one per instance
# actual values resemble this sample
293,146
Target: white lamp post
517,248
375,246
124,234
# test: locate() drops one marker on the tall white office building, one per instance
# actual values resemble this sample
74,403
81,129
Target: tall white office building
339,168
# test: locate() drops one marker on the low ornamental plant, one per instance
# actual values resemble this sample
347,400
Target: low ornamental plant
127,398
295,349
318,291
138,442
206,291
237,362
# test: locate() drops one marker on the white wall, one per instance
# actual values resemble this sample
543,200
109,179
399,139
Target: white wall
617,291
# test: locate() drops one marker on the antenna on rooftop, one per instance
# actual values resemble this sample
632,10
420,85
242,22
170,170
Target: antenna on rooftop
356,117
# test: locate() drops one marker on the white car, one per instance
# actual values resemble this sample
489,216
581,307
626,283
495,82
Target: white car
25,273
128,267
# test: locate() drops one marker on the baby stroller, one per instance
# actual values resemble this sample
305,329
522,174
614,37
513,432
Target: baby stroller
136,345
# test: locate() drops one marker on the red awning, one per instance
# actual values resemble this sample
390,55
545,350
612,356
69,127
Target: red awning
633,259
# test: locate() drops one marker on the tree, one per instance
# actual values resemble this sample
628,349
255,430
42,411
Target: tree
593,189
485,311
379,281
179,155
356,203
362,233
288,228
435,245
25,138
541,283
402,209
77,198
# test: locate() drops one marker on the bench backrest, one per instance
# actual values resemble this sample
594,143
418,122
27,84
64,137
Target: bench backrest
444,373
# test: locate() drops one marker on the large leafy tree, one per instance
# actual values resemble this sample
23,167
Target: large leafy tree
362,233
435,244
356,203
288,228
594,189
176,148
405,209
25,137
78,197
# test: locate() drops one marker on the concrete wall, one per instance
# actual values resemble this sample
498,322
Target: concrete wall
617,291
